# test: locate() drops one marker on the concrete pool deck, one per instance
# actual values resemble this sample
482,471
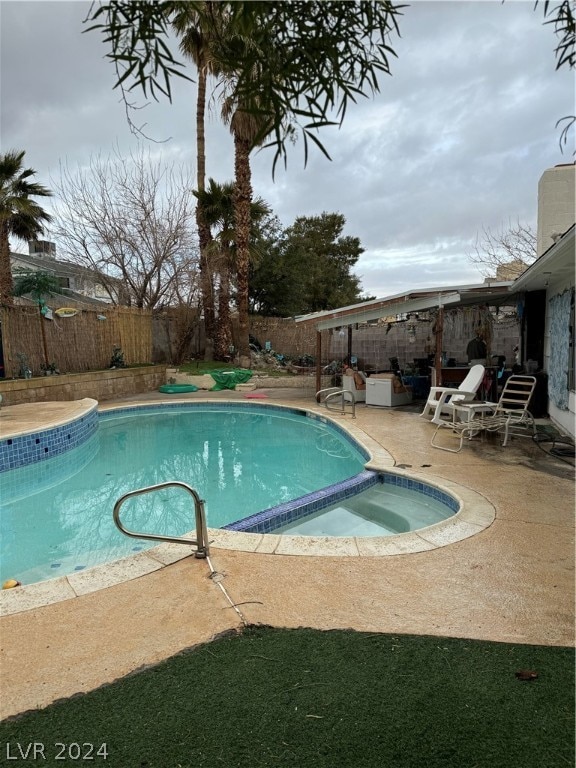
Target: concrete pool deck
512,581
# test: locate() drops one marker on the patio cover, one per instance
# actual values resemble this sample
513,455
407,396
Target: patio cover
494,293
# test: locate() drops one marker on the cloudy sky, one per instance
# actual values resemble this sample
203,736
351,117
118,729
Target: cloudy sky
455,141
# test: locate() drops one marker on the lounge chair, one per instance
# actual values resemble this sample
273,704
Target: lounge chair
442,399
514,401
510,414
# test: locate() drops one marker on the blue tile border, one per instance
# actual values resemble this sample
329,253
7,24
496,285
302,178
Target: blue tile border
277,517
35,478
39,446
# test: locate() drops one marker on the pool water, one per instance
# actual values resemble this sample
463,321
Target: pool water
381,510
56,515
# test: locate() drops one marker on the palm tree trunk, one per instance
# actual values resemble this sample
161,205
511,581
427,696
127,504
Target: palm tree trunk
204,234
223,336
6,281
242,201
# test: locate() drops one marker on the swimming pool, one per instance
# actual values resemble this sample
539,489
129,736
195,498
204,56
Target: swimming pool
57,513
258,467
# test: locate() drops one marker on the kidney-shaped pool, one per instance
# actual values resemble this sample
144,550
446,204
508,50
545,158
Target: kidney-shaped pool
259,469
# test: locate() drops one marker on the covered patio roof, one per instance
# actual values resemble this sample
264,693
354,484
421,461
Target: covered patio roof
492,293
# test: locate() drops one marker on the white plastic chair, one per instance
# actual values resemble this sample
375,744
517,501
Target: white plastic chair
440,399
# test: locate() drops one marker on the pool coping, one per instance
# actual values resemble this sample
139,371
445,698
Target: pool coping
475,515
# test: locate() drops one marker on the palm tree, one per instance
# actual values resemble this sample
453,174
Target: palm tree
196,26
204,28
288,66
219,209
247,130
19,215
38,285
218,212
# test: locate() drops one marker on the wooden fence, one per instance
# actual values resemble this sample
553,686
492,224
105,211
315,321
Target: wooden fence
83,342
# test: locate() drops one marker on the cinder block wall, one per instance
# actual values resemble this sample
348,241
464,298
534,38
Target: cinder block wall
375,345
100,385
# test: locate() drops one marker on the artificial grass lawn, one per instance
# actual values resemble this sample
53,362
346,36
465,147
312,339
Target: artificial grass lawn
311,699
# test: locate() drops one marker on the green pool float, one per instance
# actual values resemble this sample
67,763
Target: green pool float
177,389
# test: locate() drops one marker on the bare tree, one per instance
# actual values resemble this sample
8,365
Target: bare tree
132,220
504,254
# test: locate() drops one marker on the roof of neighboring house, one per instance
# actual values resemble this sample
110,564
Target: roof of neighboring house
67,298
62,268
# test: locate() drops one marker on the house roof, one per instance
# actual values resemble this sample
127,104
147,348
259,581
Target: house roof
47,264
557,260
68,298
59,267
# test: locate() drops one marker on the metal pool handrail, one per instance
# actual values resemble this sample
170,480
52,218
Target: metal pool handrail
330,393
201,541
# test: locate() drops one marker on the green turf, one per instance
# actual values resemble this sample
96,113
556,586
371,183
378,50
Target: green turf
311,699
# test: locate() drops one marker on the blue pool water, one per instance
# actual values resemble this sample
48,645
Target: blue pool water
56,515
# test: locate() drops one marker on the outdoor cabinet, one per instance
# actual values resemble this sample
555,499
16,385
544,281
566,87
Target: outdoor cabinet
380,391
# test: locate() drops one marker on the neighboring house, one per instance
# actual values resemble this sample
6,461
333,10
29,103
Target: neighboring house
76,281
511,270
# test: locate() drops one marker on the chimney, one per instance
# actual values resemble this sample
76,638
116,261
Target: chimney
556,212
42,248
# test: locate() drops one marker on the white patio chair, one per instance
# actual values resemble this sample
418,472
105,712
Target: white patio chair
441,399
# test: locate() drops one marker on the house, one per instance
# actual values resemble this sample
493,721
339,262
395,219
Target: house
78,283
548,290
549,324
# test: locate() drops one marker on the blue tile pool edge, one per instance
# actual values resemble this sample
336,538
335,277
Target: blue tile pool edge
277,517
39,446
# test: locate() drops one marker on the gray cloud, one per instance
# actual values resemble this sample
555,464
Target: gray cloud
455,141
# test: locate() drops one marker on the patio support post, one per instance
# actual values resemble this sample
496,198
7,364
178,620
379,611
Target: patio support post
439,333
349,353
318,361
